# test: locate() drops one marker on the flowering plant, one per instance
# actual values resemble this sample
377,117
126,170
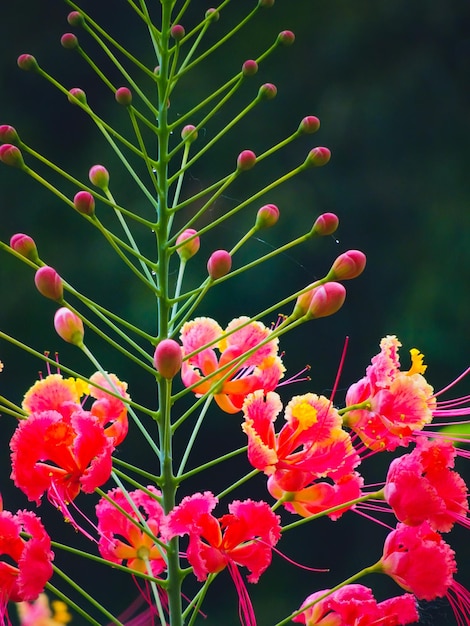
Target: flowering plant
171,540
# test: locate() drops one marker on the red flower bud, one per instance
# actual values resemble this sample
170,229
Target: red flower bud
25,245
348,265
8,134
326,300
11,155
325,224
49,283
99,176
189,133
246,160
168,358
75,18
69,41
123,96
84,203
309,124
219,264
189,249
27,62
249,68
286,38
69,326
318,157
267,216
267,91
177,32
76,94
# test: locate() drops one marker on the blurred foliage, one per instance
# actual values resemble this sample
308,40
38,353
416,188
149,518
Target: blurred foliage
389,81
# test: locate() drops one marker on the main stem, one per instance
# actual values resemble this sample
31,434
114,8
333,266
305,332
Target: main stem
168,481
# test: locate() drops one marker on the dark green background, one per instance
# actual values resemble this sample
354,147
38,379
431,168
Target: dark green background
389,81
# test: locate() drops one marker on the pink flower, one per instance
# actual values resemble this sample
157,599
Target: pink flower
419,560
421,486
28,566
60,455
396,403
243,537
121,539
355,605
111,411
262,369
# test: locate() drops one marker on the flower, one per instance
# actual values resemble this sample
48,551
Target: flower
64,396
28,566
121,539
262,369
311,445
421,486
356,605
39,613
395,404
60,455
243,537
419,560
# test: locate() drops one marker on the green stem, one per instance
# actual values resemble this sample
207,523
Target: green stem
88,597
194,434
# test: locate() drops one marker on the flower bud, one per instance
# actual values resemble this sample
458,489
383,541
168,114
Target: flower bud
326,300
267,216
348,265
267,91
27,62
11,155
213,14
69,41
25,245
286,38
76,94
49,283
84,203
318,157
189,249
123,96
246,160
99,176
325,224
189,133
168,358
219,264
8,134
75,18
309,125
177,32
69,326
267,4
249,68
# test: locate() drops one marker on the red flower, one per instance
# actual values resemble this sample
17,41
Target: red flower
419,560
243,537
309,448
356,605
60,455
396,403
28,565
64,395
421,486
121,539
260,370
